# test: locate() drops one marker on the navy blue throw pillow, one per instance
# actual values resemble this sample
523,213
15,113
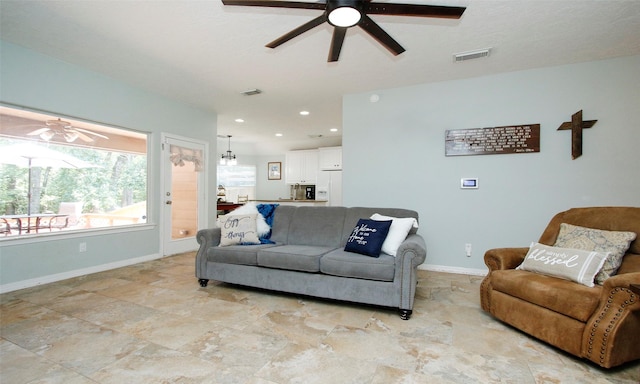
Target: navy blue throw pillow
367,237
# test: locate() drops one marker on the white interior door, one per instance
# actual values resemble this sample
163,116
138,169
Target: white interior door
183,193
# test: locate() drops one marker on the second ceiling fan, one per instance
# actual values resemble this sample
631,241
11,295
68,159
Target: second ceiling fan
343,14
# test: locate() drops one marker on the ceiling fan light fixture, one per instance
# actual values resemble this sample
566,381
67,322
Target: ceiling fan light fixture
344,17
58,123
344,13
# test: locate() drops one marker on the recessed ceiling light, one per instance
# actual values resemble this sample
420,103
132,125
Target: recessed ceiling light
304,113
334,129
279,135
239,120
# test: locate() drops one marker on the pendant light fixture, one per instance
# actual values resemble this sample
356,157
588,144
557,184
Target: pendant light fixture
228,158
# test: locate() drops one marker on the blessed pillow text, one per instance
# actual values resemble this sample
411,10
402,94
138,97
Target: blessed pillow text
553,258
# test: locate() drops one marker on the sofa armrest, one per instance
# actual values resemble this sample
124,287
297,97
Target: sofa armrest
415,248
608,338
411,253
207,238
504,258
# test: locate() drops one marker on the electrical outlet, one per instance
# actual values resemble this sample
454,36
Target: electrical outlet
467,249
82,247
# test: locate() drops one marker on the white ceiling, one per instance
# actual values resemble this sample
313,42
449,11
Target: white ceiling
205,54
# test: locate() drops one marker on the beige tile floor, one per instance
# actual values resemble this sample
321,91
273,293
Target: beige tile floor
152,323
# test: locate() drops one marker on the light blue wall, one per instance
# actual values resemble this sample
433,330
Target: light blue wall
40,82
394,153
271,189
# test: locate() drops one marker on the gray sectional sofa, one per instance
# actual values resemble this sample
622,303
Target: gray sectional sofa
308,258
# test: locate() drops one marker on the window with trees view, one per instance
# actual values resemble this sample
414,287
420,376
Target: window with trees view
57,174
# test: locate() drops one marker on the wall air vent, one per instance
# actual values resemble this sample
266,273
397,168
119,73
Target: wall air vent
251,92
464,56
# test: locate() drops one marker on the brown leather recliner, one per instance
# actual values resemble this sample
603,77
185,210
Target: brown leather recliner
601,324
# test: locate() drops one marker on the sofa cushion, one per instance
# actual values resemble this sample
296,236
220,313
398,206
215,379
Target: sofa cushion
591,239
319,226
281,222
562,296
566,263
236,254
347,264
367,237
304,258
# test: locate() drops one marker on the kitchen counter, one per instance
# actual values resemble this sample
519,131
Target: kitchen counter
294,202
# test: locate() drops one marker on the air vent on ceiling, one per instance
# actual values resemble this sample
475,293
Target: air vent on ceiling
464,56
251,92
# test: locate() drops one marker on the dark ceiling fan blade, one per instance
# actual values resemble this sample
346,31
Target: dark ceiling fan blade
336,43
394,9
379,34
298,31
275,4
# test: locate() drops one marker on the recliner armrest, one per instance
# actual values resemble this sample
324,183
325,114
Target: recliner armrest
608,338
504,258
619,281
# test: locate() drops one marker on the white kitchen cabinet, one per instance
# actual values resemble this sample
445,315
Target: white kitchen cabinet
330,158
301,167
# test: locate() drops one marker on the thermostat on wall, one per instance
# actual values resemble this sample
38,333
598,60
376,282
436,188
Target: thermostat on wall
469,183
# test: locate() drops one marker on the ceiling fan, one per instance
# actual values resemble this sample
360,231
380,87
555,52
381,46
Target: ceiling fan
66,130
343,14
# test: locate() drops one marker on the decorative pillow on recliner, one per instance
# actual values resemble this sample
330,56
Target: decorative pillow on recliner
399,230
590,239
367,237
566,263
238,229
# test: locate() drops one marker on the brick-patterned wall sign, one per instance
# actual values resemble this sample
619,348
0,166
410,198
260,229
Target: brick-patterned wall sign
493,141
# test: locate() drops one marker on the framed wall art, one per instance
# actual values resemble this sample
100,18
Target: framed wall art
274,170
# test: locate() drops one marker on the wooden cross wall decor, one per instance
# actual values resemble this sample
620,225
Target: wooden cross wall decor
576,125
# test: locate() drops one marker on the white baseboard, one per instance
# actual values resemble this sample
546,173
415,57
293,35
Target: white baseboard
4,288
449,269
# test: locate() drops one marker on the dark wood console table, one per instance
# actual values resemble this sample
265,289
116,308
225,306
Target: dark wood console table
228,207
